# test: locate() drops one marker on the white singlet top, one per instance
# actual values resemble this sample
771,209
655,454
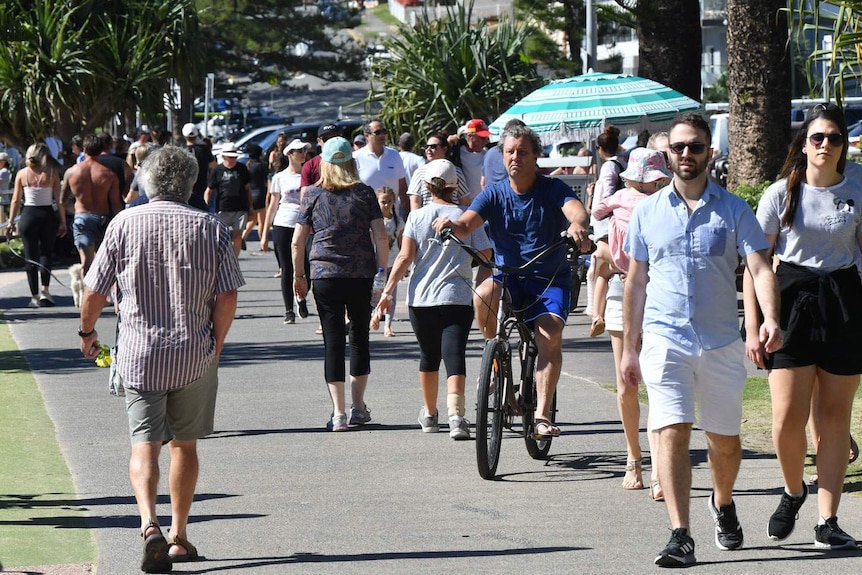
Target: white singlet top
38,196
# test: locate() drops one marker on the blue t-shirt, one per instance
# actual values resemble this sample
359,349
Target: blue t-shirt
522,225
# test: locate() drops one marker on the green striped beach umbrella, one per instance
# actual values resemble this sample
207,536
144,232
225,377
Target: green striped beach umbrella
578,108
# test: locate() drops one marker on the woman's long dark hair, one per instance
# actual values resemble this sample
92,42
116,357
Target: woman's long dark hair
797,162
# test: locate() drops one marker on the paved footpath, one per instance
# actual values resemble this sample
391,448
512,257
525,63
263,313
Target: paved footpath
280,495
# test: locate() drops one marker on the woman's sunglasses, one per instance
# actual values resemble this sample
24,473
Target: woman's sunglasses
432,146
835,138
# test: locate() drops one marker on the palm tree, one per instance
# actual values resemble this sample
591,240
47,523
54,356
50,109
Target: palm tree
444,72
759,69
67,67
843,58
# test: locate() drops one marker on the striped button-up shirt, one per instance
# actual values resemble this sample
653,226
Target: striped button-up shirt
169,261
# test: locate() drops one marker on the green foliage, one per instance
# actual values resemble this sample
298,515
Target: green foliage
544,18
70,67
717,92
844,58
444,72
751,193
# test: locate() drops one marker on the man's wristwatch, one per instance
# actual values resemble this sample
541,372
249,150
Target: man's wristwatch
82,333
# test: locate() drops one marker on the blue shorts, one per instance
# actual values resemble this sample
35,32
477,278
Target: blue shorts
88,230
534,297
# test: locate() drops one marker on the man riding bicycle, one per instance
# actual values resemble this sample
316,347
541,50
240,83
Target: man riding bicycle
526,213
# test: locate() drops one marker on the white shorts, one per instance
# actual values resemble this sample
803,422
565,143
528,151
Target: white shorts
614,306
676,376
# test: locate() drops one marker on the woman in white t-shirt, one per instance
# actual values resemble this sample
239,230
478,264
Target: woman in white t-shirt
812,218
282,215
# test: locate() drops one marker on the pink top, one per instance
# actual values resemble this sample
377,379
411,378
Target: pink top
621,204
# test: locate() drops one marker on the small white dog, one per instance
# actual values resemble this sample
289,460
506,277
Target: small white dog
76,277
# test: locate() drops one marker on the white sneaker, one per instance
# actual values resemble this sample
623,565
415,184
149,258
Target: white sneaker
459,428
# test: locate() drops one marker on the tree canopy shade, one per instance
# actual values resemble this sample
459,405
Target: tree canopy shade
443,72
69,67
842,19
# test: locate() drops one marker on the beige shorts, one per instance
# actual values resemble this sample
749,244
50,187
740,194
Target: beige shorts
614,306
676,377
185,413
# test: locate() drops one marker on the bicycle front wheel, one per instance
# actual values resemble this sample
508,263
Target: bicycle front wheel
489,407
537,448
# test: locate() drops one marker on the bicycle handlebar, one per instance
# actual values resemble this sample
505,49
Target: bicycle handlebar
565,240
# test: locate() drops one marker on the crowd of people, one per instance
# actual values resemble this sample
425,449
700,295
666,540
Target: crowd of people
350,223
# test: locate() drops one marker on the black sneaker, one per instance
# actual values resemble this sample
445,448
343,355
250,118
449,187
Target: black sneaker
783,521
830,536
679,551
289,317
728,531
303,308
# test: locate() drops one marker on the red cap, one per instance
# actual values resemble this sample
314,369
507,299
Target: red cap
478,127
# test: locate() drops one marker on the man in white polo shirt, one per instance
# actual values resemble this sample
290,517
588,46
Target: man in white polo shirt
380,165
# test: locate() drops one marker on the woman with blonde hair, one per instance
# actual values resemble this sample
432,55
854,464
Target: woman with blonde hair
37,186
343,262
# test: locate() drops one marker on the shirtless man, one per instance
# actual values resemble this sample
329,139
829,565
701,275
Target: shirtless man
97,196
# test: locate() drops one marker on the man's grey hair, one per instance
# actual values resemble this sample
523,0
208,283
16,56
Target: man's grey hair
523,132
169,172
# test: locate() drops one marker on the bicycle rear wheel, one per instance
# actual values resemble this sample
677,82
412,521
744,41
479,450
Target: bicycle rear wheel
489,407
537,448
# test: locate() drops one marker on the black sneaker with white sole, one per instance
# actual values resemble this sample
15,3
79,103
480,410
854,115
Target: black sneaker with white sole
728,531
783,521
830,536
679,551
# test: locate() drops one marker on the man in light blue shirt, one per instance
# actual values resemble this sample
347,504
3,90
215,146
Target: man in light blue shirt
681,291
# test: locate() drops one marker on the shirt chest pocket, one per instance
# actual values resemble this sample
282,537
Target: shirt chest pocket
711,240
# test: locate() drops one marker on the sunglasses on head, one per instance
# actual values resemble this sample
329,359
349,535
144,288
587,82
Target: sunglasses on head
380,132
693,147
835,138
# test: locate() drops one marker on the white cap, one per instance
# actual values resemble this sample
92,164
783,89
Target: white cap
443,169
296,144
190,131
229,150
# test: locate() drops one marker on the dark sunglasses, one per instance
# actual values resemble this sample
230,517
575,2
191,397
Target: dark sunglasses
693,147
433,146
835,138
380,132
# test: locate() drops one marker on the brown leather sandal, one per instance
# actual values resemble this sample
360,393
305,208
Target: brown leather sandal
155,559
191,553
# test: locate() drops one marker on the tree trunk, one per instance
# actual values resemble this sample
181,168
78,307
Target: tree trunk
670,39
758,86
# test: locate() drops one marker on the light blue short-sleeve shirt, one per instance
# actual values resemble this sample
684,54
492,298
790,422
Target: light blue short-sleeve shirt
691,295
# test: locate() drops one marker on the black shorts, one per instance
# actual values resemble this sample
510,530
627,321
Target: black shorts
822,320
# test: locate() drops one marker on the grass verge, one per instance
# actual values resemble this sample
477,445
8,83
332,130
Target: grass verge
40,522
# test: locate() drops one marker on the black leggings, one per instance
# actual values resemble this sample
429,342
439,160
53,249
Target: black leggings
333,296
442,332
281,238
38,230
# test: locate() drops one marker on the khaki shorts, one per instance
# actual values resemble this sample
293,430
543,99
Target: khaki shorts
185,413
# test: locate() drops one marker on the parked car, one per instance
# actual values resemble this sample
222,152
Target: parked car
306,131
853,133
256,136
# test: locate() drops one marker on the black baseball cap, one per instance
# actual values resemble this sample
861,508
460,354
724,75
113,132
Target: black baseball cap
328,131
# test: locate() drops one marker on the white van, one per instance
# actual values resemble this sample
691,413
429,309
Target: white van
719,126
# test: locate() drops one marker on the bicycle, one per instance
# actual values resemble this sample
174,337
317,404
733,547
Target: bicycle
499,399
